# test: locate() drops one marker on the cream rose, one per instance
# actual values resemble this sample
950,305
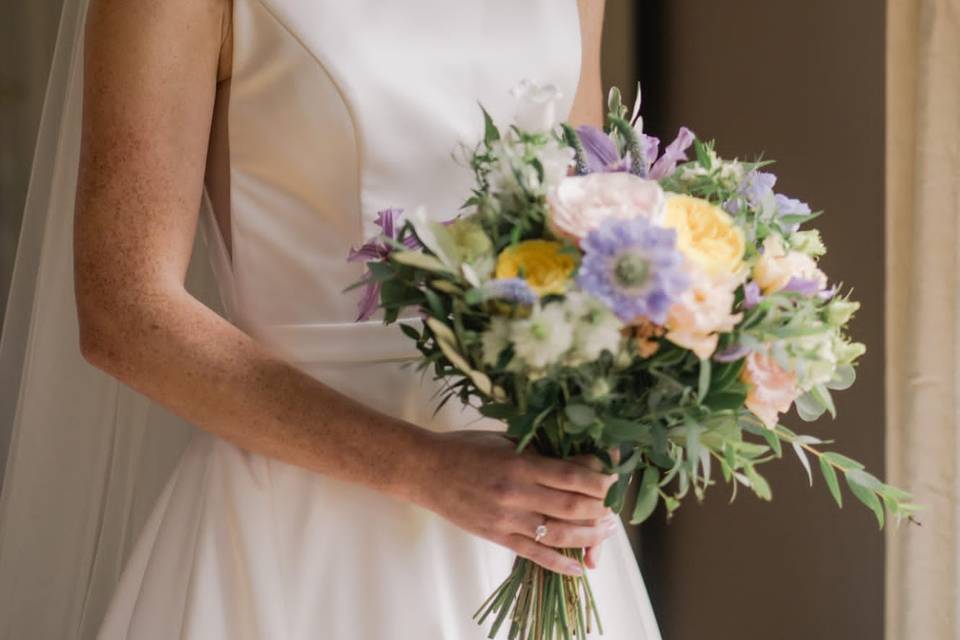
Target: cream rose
580,203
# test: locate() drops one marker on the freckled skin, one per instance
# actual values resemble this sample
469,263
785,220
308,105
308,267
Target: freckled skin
152,71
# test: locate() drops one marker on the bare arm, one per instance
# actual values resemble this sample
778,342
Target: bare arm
151,73
588,105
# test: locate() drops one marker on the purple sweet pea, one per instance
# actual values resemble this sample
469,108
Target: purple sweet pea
633,267
675,152
751,295
377,250
803,286
791,207
600,152
734,352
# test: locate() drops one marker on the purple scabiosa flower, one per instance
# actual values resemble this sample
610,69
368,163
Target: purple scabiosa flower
510,289
376,250
634,267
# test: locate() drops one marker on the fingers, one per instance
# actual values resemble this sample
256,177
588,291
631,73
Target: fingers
543,555
563,505
570,476
592,556
568,535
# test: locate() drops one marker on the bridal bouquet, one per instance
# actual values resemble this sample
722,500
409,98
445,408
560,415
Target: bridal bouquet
599,297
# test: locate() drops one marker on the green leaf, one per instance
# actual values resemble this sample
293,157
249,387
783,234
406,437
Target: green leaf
865,495
809,408
758,483
830,477
580,415
498,411
843,378
623,430
410,331
419,260
841,461
773,440
725,400
703,386
802,455
617,493
823,396
647,496
490,132
799,218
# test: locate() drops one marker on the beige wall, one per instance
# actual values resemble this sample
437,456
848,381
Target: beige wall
802,82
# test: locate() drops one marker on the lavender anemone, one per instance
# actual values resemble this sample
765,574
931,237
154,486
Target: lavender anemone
633,267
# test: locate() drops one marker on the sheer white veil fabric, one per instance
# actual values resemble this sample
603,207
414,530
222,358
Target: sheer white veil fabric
85,456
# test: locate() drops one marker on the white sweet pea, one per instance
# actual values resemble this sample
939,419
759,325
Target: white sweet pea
536,106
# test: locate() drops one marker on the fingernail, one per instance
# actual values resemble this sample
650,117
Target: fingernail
575,568
610,523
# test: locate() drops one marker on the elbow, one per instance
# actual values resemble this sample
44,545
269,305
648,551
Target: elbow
95,339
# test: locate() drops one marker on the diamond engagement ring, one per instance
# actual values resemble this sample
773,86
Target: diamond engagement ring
540,533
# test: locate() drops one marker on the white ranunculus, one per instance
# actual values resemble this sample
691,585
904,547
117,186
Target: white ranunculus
536,106
542,339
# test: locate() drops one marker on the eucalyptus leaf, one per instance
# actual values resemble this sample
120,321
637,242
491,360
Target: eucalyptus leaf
804,460
830,477
843,378
703,385
823,397
758,483
647,496
865,495
809,408
841,460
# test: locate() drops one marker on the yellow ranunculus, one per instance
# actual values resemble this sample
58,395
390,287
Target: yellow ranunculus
706,234
545,266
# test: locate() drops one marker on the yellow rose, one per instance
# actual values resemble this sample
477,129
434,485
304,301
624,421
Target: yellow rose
545,267
706,234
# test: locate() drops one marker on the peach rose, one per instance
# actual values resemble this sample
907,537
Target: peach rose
772,389
580,203
777,266
703,312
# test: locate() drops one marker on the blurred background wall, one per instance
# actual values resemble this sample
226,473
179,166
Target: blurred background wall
800,82
28,30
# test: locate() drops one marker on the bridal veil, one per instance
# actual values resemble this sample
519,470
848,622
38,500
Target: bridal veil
83,456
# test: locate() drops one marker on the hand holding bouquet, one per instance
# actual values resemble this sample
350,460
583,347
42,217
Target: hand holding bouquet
600,298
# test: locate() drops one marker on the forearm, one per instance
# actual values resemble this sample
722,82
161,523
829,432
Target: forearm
180,353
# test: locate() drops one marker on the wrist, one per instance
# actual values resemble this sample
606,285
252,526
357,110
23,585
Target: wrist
416,466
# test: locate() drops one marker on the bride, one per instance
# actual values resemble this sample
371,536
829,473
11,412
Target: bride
319,497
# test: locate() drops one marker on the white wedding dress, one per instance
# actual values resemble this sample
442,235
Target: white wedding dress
337,109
